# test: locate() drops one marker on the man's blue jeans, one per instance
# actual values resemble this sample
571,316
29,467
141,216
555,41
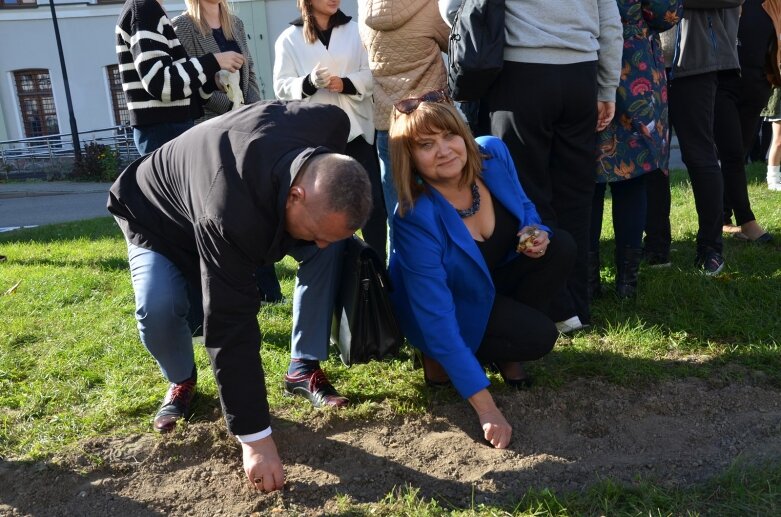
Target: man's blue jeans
162,306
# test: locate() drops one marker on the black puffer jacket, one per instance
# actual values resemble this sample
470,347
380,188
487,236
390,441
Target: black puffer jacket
213,202
707,37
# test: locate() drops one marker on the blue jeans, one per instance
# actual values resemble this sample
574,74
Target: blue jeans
152,136
386,175
162,306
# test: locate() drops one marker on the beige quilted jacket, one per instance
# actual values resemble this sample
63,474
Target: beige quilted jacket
404,39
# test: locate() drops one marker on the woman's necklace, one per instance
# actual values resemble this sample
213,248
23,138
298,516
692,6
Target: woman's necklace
472,210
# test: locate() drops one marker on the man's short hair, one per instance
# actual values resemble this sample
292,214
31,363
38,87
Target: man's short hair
344,185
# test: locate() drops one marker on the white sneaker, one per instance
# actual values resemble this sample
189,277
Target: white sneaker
569,325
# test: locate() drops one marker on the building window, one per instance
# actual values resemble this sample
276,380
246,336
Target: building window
18,3
118,101
39,115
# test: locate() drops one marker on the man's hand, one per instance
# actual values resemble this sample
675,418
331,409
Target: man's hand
262,465
605,113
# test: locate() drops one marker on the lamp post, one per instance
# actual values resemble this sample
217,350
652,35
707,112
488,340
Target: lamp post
74,129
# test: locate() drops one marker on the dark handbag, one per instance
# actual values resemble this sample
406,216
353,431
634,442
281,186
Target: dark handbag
476,49
364,325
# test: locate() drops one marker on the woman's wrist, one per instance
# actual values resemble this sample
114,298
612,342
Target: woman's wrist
482,402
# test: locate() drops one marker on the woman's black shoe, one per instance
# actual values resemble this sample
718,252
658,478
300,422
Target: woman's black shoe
433,374
523,382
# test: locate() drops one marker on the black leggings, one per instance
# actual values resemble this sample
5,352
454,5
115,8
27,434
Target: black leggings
518,327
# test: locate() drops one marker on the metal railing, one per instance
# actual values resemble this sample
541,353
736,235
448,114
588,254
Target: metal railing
44,156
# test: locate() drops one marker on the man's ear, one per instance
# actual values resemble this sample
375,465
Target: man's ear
296,194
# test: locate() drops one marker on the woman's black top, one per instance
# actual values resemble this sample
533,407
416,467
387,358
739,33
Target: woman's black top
504,238
224,43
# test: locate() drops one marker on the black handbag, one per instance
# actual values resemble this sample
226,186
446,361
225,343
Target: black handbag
364,326
476,48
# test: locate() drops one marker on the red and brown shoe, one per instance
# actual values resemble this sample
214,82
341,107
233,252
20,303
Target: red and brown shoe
176,405
316,388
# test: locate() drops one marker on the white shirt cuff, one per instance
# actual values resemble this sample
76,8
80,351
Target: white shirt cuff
246,438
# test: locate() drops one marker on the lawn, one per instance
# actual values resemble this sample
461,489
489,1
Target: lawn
71,365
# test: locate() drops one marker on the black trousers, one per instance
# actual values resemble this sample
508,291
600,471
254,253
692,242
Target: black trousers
547,114
692,107
740,98
375,231
629,212
519,328
658,234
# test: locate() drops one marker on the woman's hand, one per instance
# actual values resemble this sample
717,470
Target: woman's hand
496,430
335,84
319,76
539,242
605,113
230,61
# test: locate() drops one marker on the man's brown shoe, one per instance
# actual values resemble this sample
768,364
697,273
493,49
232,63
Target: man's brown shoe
316,388
176,404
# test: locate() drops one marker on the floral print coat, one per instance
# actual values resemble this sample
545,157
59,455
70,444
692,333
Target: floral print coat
637,140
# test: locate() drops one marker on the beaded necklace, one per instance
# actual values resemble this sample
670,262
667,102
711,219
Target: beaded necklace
472,210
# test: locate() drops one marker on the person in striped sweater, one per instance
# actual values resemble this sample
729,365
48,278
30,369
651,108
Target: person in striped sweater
164,87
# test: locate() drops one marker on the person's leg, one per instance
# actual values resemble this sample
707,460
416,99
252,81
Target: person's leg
658,234
753,96
572,168
161,315
535,281
268,284
314,295
692,101
375,231
597,212
161,312
728,136
515,333
629,211
518,327
629,215
386,176
151,137
523,112
774,158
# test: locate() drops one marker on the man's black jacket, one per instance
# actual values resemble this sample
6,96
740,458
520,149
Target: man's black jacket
213,202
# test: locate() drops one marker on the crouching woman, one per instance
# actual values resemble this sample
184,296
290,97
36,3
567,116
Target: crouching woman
474,269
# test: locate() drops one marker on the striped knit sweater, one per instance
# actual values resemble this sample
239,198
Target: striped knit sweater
161,83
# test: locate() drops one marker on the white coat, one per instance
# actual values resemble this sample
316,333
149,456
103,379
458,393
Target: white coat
345,57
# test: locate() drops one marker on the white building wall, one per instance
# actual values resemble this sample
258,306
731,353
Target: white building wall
87,34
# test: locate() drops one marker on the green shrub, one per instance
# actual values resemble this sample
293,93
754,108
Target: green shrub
98,163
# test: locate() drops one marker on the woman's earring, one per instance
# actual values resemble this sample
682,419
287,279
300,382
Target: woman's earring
418,179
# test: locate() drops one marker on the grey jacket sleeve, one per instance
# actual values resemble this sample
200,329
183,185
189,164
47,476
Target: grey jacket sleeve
611,45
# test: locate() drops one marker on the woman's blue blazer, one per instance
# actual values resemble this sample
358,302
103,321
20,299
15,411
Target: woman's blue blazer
442,289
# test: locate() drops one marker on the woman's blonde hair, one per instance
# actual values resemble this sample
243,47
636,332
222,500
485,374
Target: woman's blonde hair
226,18
428,118
310,25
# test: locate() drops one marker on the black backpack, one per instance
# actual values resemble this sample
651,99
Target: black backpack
476,48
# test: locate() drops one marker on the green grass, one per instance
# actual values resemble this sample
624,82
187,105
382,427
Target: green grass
71,365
